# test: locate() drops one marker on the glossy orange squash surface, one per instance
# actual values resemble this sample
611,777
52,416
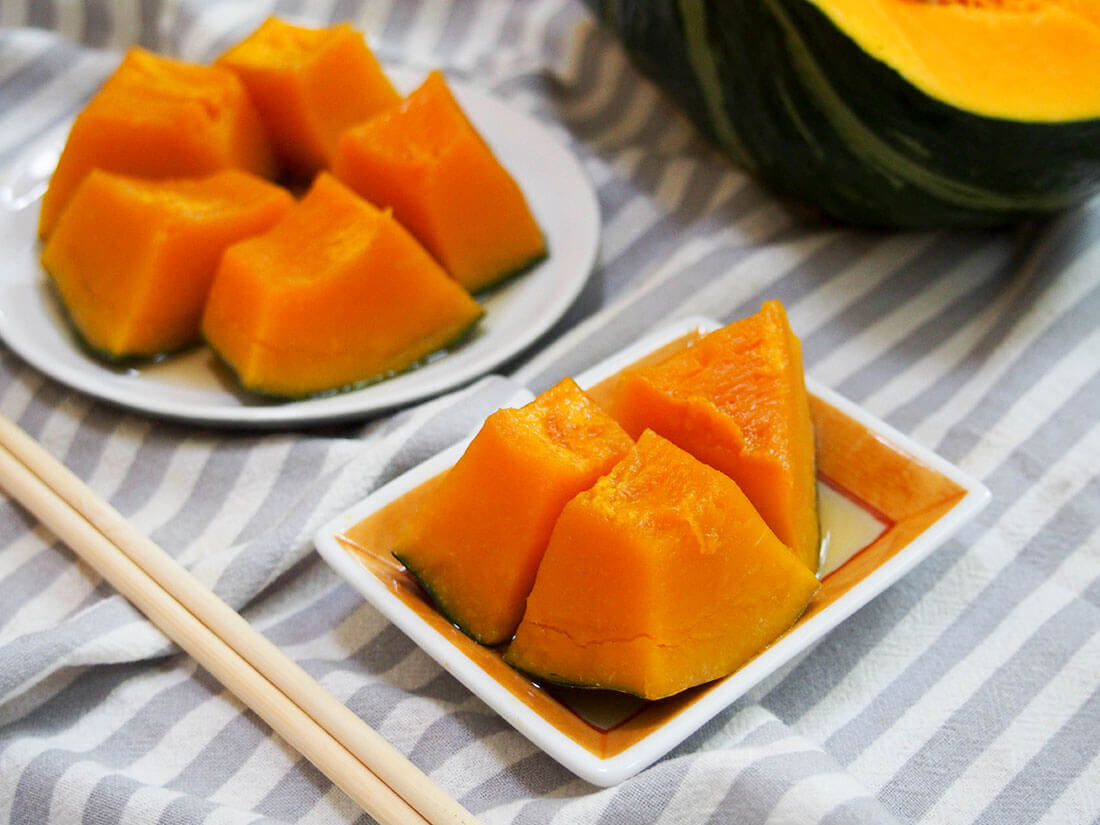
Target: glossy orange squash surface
133,259
737,400
309,85
425,159
156,117
476,545
335,295
660,577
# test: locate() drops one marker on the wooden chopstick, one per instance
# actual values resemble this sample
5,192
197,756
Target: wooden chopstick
343,747
240,678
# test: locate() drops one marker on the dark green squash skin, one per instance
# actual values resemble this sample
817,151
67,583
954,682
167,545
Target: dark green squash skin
797,101
428,585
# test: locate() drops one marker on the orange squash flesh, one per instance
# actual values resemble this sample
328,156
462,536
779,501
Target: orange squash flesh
309,85
336,294
1015,59
660,577
737,400
476,545
133,259
426,160
156,117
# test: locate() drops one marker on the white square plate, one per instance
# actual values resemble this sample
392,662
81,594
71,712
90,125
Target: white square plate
886,501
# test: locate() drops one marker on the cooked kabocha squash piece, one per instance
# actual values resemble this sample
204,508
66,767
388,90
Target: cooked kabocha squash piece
337,294
132,259
660,577
888,112
475,546
156,117
426,160
309,85
737,400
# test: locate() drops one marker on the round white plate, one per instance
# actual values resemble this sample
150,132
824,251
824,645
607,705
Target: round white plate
194,386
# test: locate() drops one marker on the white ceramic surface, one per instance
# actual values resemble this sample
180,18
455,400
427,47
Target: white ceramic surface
612,770
193,386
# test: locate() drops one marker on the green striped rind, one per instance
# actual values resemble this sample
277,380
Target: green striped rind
783,90
652,33
705,64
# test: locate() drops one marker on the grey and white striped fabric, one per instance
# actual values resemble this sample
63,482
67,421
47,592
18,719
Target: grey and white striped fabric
969,692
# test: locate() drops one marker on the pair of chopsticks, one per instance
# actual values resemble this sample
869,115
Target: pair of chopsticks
312,721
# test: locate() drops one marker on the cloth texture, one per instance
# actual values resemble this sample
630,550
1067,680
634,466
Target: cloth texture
969,692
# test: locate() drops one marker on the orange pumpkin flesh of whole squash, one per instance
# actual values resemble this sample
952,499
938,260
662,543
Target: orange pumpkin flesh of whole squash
476,545
335,295
427,161
737,400
309,85
133,259
156,117
660,577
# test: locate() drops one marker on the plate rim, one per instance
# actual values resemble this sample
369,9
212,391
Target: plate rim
609,771
352,404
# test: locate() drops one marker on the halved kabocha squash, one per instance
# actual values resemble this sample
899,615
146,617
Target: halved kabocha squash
888,112
426,160
737,400
156,117
660,577
335,295
309,85
133,259
476,544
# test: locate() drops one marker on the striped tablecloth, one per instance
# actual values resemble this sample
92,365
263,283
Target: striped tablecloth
966,693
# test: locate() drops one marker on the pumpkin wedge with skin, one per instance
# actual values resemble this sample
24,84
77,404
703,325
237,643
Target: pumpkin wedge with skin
737,400
660,577
133,259
335,295
155,117
309,85
426,160
888,112
476,545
